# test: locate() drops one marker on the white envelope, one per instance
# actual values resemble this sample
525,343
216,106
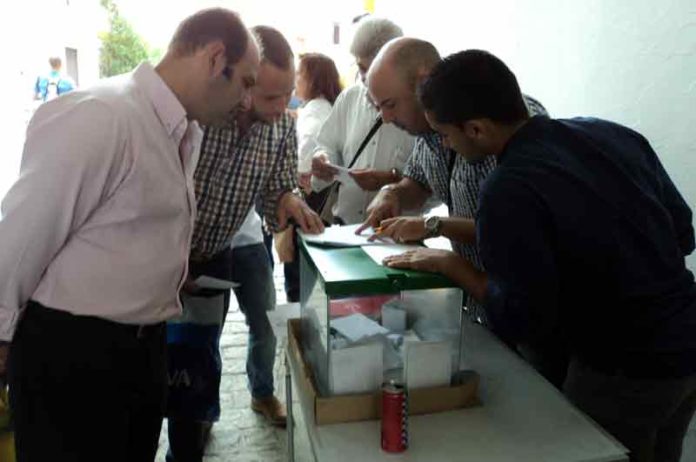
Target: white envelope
357,327
356,369
209,282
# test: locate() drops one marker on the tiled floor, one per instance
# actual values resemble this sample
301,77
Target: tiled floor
241,435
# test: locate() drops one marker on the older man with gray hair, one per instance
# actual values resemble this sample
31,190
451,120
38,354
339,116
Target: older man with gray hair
353,135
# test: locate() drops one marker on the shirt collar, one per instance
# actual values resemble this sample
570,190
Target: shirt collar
167,106
434,141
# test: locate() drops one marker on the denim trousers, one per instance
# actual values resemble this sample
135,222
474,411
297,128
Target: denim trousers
256,296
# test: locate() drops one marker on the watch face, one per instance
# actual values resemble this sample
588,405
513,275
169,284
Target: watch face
431,223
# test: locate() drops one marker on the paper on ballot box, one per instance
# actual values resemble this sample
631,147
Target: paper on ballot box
394,316
427,364
344,236
357,327
357,369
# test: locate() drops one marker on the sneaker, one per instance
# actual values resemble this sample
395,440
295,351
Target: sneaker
272,409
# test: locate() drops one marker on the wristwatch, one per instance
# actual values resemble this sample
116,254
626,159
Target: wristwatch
433,225
396,174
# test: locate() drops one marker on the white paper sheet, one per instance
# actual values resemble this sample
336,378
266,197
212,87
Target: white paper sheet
379,253
357,369
343,176
357,327
344,236
394,317
209,282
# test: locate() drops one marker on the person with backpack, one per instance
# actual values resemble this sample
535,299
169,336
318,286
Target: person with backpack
53,84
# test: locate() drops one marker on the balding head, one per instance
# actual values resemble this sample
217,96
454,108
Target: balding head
410,58
400,66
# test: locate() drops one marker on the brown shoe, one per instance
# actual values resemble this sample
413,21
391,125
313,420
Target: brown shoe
272,409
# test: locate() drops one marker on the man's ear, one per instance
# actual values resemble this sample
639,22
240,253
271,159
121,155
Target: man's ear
422,74
217,60
461,126
474,129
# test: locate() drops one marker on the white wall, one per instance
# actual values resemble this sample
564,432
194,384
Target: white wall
631,61
30,32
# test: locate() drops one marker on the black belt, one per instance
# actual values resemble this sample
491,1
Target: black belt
140,331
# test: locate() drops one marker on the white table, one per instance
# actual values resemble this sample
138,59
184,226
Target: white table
523,419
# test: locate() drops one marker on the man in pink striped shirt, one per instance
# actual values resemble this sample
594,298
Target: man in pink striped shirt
94,240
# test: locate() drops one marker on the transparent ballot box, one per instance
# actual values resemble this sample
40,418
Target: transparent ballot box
364,323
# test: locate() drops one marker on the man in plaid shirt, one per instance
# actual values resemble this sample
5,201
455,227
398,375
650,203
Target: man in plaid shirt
255,157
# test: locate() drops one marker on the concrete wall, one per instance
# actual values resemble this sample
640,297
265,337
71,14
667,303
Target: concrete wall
30,32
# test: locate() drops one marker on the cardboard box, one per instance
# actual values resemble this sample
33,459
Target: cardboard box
352,408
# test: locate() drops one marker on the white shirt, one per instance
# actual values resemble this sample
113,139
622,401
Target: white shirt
100,221
350,120
310,119
250,231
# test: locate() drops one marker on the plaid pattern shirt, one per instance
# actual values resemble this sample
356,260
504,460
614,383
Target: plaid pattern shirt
234,170
456,183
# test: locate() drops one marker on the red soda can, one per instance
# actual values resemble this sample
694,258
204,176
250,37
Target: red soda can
394,417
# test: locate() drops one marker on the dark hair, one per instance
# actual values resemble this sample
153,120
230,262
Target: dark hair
472,84
209,25
321,75
274,48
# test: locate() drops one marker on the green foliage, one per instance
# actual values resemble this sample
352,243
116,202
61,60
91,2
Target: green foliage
155,55
122,48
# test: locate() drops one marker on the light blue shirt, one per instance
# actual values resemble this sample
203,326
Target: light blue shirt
53,84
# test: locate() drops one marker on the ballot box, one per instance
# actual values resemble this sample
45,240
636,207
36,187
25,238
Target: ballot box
363,324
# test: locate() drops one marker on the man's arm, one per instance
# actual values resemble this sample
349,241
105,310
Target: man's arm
279,202
392,200
514,236
370,179
445,262
410,229
410,193
37,89
63,178
459,229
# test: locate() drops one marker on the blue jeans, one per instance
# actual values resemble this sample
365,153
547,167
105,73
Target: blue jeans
195,346
256,296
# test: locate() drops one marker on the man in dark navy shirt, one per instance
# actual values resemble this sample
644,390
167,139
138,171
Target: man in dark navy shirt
582,234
